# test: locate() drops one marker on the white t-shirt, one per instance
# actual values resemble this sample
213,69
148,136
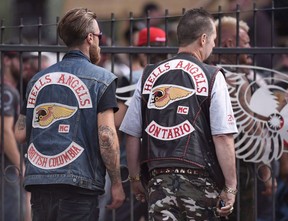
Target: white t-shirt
222,119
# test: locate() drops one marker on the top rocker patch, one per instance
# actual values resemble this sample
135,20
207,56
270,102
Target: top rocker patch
193,70
75,84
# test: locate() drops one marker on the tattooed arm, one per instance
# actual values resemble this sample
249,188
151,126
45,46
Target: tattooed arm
20,135
20,129
109,148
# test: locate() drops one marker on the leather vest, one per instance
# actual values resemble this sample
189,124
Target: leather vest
61,113
175,112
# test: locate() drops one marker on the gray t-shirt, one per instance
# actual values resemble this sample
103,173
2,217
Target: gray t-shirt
10,101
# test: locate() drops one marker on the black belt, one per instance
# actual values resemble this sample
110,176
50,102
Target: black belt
177,170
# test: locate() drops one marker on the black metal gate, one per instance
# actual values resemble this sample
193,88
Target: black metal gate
270,156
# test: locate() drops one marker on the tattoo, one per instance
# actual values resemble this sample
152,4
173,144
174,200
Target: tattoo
21,123
110,154
105,137
110,158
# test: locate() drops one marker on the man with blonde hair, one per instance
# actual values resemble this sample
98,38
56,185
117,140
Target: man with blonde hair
227,34
229,37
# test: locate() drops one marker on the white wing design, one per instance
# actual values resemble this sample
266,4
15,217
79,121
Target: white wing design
261,114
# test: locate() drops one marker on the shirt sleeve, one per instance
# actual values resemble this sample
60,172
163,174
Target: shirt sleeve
132,122
221,113
222,119
108,99
10,102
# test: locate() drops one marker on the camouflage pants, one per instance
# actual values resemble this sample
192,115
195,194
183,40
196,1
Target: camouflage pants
178,197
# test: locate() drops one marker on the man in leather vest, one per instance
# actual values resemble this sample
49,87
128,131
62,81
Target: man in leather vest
68,123
182,111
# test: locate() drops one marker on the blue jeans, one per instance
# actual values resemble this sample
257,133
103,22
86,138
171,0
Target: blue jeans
55,205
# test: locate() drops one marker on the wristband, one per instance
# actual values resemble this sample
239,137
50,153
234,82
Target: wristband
134,178
230,190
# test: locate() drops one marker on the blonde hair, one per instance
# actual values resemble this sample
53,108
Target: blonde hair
228,22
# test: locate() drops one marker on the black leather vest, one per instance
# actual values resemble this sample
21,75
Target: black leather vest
175,112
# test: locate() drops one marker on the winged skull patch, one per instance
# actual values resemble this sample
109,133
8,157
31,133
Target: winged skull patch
48,113
165,94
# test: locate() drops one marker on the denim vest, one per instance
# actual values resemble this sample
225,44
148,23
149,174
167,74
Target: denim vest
61,120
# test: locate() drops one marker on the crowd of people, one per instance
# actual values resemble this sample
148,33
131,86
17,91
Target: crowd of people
156,137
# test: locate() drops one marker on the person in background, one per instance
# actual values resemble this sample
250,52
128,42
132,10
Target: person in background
181,109
262,22
31,66
243,94
154,11
11,175
67,121
157,39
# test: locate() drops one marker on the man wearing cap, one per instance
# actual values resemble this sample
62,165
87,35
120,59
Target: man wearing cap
157,35
157,38
10,109
182,111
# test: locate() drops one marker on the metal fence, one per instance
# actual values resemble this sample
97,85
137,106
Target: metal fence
120,52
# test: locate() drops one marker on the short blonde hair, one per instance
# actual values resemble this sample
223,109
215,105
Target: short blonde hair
231,22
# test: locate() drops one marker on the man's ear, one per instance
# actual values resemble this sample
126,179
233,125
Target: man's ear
89,38
203,39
